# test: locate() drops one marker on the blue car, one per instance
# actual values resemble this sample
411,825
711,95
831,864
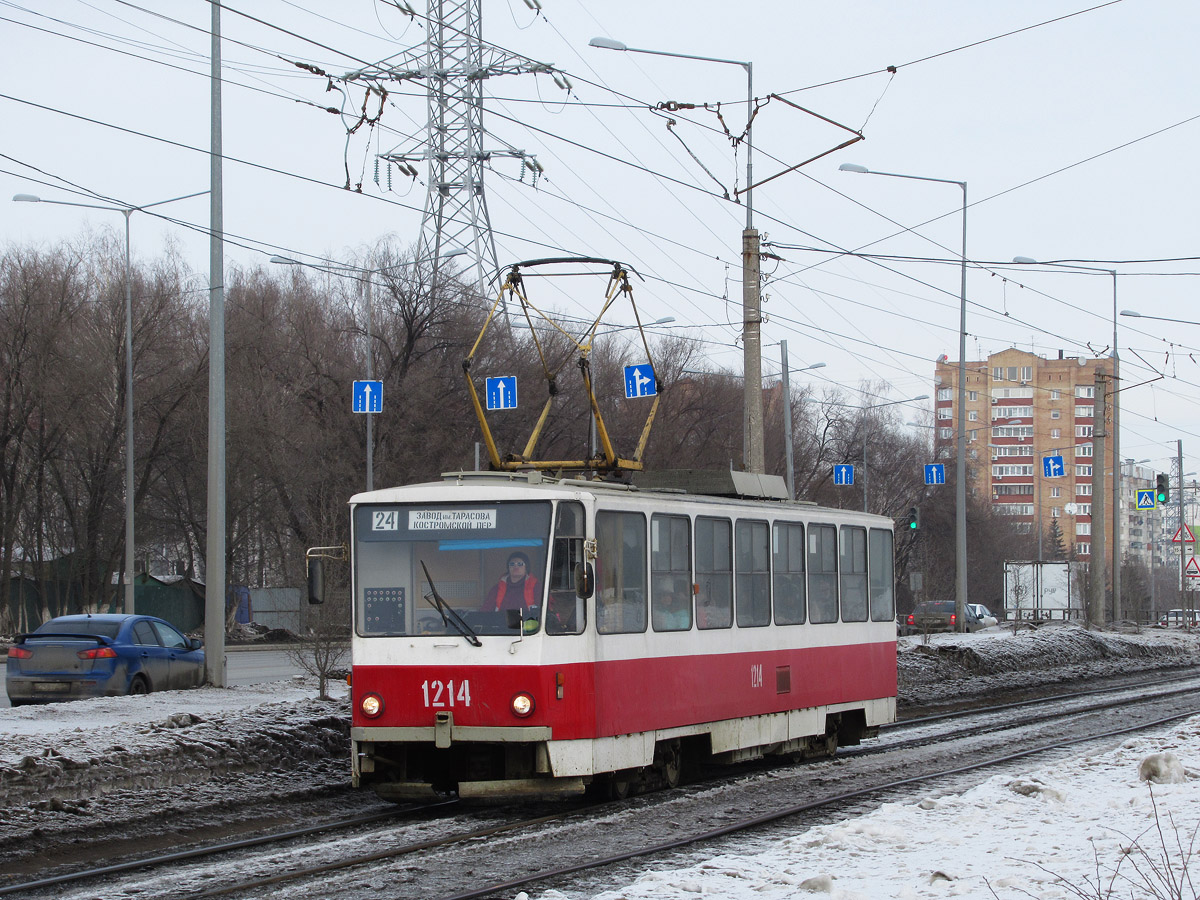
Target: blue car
101,656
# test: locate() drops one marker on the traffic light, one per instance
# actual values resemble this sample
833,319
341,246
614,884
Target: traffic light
914,518
1162,489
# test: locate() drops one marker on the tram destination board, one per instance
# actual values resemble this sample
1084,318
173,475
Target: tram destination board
384,609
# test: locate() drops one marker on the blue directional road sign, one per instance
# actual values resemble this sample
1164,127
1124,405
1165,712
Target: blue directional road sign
1052,466
639,381
367,397
501,392
935,473
1147,499
843,474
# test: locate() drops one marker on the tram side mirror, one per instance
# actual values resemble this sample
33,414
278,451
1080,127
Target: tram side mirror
585,580
316,581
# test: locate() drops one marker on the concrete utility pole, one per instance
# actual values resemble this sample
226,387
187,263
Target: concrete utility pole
214,553
1097,566
752,351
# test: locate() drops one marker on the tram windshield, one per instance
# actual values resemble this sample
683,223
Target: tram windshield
458,569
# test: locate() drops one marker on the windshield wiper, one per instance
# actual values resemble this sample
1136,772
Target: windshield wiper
449,616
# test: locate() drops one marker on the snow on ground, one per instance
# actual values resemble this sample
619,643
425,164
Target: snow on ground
1078,822
1038,834
71,752
1011,836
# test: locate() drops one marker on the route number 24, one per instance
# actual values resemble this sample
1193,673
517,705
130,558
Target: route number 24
439,694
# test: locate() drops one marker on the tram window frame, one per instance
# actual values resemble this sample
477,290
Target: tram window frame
714,572
852,551
822,564
621,572
881,563
566,611
670,571
752,573
789,599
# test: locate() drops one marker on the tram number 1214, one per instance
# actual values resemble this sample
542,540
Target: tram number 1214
438,694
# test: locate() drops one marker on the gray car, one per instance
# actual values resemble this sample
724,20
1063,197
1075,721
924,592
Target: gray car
938,615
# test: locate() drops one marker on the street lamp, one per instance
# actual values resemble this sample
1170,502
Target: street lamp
1138,315
751,299
788,453
126,211
960,488
364,276
865,409
1116,431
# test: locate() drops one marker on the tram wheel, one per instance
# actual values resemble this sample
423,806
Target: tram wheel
670,763
620,785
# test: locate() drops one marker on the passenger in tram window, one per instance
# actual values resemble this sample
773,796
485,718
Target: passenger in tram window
672,612
518,588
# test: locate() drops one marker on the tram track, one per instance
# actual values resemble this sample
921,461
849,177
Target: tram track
775,816
199,862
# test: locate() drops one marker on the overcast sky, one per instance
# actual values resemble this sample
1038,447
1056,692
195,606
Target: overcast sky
1074,127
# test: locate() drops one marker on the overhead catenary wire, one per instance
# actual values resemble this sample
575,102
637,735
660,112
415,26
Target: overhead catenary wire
549,243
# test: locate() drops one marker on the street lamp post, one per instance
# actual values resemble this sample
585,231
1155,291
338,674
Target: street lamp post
788,461
1116,430
751,300
865,409
364,276
960,487
127,212
789,474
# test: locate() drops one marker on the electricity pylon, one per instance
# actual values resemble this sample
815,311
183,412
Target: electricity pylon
453,67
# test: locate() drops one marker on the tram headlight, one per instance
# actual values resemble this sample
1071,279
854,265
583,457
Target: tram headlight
371,705
522,705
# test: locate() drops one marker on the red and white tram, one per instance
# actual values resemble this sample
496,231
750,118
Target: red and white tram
662,627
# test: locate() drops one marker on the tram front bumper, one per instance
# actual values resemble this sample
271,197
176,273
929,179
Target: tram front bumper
451,733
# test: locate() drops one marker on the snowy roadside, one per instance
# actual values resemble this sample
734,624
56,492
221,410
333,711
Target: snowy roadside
62,763
1085,820
84,748
72,752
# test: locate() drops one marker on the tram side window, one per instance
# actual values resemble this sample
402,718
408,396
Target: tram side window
822,574
621,572
854,574
566,611
788,573
753,574
670,573
714,573
883,576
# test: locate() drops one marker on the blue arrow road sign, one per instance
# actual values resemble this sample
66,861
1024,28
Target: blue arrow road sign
501,392
639,381
367,397
1147,499
935,473
1052,466
843,474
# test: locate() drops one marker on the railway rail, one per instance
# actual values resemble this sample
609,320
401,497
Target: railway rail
423,846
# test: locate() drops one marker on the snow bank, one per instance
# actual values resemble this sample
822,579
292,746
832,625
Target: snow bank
73,751
956,666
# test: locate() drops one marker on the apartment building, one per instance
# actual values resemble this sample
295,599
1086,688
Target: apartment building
1021,407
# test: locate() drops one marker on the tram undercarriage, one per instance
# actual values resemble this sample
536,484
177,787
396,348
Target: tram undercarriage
465,763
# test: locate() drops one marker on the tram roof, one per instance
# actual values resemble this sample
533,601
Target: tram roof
698,485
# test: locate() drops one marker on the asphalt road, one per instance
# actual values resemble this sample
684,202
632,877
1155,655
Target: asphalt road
243,666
